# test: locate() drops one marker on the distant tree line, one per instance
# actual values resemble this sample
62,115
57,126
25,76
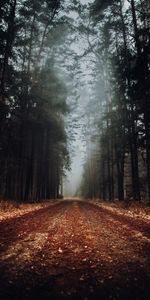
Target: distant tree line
119,38
33,142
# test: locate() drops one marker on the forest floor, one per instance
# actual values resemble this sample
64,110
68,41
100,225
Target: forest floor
69,249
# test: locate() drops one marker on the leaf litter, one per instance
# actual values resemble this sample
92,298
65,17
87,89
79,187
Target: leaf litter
75,249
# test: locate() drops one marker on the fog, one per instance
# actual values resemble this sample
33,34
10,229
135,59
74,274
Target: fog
74,92
87,85
73,178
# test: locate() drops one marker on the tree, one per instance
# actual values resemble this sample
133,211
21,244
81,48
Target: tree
33,154
124,73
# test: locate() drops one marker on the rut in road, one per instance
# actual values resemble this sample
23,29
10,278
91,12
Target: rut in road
75,250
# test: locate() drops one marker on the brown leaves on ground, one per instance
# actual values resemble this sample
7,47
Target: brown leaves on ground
75,250
10,209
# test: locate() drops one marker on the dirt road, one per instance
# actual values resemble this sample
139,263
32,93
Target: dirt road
75,250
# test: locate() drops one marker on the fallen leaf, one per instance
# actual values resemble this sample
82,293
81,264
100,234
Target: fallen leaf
60,250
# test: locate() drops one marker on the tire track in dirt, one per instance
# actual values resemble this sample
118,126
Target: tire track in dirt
30,235
119,244
115,227
69,239
76,250
17,228
66,254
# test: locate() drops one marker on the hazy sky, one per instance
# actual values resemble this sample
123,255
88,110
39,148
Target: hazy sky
86,1
73,178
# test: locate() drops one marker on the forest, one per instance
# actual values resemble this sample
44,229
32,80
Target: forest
74,114
33,142
37,97
118,159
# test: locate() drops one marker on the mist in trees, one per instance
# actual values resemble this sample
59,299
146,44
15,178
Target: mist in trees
50,53
118,157
33,141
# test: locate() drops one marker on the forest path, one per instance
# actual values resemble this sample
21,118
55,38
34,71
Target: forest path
75,250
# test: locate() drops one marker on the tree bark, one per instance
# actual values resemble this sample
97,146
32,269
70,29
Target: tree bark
8,48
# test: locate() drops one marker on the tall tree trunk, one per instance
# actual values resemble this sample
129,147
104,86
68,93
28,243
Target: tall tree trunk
120,171
8,47
103,178
130,115
134,18
31,42
147,131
